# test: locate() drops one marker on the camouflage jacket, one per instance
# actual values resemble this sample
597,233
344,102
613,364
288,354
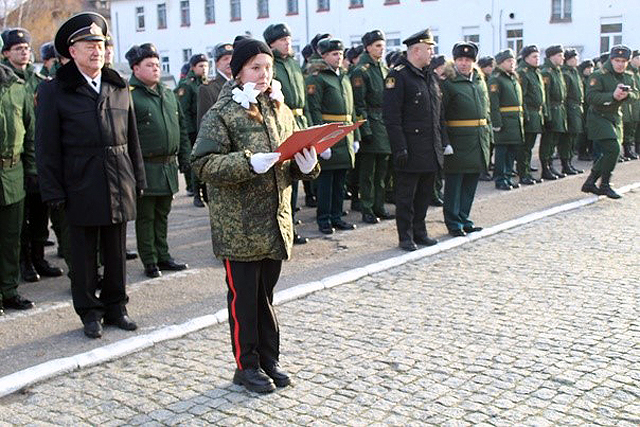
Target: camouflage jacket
250,213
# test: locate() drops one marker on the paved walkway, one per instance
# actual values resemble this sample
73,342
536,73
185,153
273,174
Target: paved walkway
535,326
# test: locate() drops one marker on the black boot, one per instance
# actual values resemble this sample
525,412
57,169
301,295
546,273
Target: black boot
554,171
605,187
28,271
573,168
629,152
546,173
589,185
41,265
566,167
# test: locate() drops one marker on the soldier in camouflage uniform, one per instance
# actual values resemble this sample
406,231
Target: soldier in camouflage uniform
187,92
631,112
575,113
250,207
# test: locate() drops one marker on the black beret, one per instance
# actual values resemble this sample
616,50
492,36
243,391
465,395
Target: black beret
317,38
221,50
307,51
354,52
620,51
275,32
486,61
528,50
85,26
15,36
437,61
329,45
586,64
570,53
47,51
423,36
372,37
245,49
136,54
466,50
553,50
504,55
197,58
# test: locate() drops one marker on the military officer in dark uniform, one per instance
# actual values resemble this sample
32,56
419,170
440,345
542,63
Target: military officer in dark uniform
17,56
17,165
608,89
413,114
90,164
187,92
367,80
208,92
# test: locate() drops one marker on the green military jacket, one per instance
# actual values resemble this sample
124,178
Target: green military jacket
367,80
465,99
556,95
533,95
162,135
50,72
604,118
30,76
17,152
289,74
250,213
575,99
330,99
505,94
187,92
631,110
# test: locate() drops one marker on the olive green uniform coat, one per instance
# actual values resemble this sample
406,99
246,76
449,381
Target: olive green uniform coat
534,103
505,92
556,112
208,93
288,72
631,112
250,213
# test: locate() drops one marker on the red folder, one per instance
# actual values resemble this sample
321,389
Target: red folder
321,137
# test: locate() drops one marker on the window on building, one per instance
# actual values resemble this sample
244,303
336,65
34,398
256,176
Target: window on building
514,39
354,4
355,40
560,10
610,35
436,48
471,34
292,7
236,13
164,63
186,55
209,11
393,41
263,8
391,1
323,5
140,18
185,14
162,15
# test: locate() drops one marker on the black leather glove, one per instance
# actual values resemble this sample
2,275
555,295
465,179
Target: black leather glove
184,167
56,205
367,139
139,192
31,183
401,158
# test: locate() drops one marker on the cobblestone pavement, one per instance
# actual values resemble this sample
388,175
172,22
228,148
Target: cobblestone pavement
535,326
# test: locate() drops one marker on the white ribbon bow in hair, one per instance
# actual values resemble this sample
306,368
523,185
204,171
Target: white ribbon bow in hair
276,91
247,95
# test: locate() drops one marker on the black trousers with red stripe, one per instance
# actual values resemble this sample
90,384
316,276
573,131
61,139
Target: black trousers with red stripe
255,336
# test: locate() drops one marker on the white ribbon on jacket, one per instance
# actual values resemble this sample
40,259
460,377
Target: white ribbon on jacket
247,95
276,91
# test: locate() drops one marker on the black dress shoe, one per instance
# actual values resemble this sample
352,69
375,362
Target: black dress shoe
131,254
370,218
254,379
436,201
152,271
485,177
122,322
93,329
45,269
425,240
197,202
28,272
280,378
408,245
310,201
471,229
385,216
514,184
527,180
326,229
299,240
343,225
49,243
503,186
17,303
457,233
172,265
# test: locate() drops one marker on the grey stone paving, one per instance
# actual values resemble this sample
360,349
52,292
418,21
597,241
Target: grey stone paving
536,326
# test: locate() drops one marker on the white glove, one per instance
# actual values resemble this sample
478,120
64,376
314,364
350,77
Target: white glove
497,129
306,160
356,146
448,150
326,154
262,162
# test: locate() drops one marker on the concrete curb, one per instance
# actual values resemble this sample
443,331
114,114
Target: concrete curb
26,377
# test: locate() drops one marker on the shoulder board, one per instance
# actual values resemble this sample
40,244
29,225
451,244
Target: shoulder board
131,88
398,67
40,76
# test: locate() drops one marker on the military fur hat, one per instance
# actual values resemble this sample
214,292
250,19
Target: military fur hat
109,40
504,55
314,41
354,52
437,61
604,57
85,26
329,45
15,36
423,36
620,51
635,53
47,51
307,51
466,50
486,61
528,50
553,50
275,32
570,53
221,50
137,54
197,58
245,49
586,64
372,37
392,58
